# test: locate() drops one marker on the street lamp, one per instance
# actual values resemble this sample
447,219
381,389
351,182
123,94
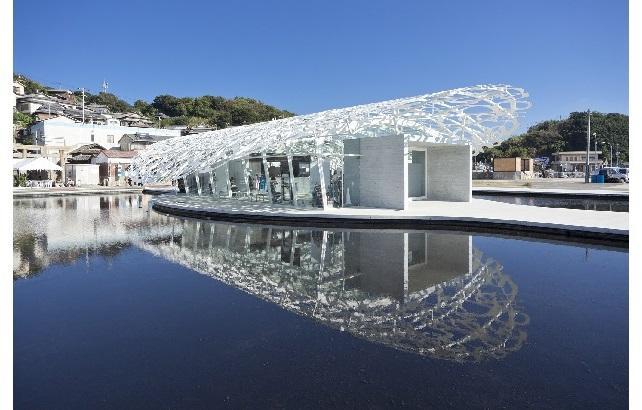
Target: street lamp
610,152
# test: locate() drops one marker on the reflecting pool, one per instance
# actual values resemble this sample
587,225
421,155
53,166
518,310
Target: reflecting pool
587,204
116,305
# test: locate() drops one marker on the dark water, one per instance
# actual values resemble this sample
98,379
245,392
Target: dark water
116,306
590,204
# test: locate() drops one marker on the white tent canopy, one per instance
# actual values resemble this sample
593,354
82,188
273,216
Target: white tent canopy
36,164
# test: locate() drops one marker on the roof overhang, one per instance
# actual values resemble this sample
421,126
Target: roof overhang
478,115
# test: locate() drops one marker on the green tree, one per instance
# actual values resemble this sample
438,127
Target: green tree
547,137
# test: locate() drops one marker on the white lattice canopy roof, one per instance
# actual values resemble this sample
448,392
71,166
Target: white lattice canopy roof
478,115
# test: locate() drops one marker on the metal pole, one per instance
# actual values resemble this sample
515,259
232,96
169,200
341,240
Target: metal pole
83,105
588,150
595,143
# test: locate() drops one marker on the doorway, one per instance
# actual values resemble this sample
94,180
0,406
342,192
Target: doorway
417,173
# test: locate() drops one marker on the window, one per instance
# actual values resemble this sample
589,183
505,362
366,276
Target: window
92,137
110,139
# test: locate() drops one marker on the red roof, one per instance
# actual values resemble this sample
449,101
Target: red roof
112,153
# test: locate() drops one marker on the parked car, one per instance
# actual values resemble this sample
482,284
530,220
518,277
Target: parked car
613,175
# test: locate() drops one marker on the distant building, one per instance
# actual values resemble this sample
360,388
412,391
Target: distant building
513,168
132,119
82,174
114,166
139,141
18,90
29,103
64,131
63,95
574,161
84,154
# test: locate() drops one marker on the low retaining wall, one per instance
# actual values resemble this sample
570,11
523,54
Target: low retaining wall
517,228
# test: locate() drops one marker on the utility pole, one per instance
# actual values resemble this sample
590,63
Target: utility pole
588,150
83,105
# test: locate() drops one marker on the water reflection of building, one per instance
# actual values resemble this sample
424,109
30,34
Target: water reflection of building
424,292
429,293
62,229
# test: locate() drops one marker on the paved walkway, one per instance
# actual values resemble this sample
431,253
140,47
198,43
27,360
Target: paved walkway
478,213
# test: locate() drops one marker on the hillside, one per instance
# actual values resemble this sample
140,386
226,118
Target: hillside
190,111
568,134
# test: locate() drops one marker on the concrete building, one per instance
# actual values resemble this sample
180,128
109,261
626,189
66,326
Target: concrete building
575,161
379,155
513,168
63,131
82,174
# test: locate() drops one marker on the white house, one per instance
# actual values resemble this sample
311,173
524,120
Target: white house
18,90
63,131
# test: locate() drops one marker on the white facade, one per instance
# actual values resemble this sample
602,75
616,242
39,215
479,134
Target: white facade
82,174
18,90
62,131
104,159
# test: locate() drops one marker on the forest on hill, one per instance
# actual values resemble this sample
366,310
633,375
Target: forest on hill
546,137
208,110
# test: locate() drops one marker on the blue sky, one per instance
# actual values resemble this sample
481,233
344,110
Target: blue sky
307,56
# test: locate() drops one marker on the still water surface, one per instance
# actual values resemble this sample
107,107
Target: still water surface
118,306
587,204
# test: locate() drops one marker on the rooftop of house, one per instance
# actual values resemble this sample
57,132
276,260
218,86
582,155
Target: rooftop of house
112,153
142,137
93,149
576,152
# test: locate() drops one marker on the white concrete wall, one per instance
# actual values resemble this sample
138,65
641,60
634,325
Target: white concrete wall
83,174
383,172
449,173
63,133
447,256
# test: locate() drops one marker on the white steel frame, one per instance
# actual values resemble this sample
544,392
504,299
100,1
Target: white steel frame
478,115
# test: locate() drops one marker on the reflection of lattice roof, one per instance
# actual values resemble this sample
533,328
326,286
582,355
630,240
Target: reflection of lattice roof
478,115
471,317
